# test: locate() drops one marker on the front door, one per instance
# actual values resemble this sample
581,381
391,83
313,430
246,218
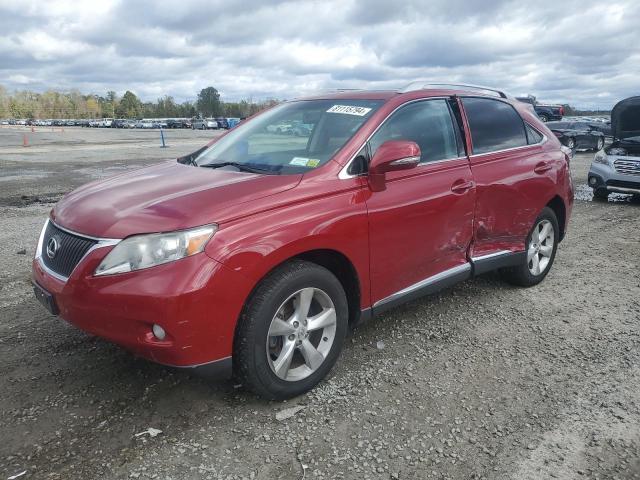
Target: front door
421,225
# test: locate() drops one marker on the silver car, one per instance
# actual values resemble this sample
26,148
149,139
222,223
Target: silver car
204,124
616,168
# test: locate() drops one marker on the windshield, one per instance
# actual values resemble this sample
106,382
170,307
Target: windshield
294,137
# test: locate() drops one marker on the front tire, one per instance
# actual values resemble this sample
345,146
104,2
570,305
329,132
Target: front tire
291,331
542,244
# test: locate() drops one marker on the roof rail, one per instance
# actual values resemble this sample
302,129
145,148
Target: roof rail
422,85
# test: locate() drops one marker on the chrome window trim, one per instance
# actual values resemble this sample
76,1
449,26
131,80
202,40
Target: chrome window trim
424,283
101,243
344,174
476,155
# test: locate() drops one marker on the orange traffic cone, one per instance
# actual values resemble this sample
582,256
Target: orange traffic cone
25,140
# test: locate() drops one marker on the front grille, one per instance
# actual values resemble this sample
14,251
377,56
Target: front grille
61,251
627,167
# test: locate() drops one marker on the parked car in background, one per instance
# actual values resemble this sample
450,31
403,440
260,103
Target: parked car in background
204,124
144,124
578,135
233,121
546,113
265,256
222,122
616,168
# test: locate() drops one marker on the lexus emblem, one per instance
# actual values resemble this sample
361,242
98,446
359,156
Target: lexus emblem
53,245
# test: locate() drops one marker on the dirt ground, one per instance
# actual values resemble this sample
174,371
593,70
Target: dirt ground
481,381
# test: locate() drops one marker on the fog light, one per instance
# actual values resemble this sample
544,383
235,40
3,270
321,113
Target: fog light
159,332
592,181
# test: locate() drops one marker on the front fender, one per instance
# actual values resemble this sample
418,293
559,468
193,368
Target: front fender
255,245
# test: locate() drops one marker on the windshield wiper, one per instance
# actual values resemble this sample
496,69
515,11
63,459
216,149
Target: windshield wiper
240,166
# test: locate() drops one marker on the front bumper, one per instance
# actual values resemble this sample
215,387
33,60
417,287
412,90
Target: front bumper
196,300
605,177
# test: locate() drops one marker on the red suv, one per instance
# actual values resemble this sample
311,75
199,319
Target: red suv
255,254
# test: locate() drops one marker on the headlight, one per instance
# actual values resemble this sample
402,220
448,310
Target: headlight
144,251
601,157
617,151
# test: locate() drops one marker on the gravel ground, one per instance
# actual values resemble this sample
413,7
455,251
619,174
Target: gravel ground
481,381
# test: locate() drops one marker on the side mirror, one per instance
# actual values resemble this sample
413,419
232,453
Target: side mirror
391,156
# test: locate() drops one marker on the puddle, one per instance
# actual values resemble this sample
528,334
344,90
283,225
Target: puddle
585,193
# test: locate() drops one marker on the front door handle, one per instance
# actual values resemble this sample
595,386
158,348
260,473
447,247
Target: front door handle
542,167
461,186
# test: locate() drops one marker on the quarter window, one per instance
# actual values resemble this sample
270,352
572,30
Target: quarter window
494,125
428,123
533,136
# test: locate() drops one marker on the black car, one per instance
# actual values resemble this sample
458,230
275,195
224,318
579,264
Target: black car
577,135
222,122
546,113
174,123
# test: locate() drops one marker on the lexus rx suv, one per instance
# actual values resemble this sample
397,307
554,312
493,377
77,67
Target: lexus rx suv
254,255
616,168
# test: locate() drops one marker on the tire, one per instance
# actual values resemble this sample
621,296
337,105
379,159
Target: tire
544,118
571,143
599,144
601,194
257,356
524,275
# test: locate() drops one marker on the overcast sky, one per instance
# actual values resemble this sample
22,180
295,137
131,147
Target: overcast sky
586,53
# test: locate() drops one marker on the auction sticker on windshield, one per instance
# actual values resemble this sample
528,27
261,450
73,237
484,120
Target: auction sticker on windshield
349,110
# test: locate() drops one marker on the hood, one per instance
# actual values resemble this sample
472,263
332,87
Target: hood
625,118
165,197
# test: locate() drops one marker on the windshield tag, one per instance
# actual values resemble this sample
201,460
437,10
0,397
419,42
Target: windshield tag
299,161
349,110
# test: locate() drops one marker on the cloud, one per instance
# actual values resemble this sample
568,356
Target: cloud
579,52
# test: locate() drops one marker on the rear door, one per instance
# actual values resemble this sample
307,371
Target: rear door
421,225
513,175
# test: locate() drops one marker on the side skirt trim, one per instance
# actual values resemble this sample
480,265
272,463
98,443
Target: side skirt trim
494,261
424,287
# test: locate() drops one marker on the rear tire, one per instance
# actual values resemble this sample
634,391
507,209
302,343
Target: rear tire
291,331
541,247
600,144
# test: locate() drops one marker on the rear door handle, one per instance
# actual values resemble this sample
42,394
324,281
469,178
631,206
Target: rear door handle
542,167
460,186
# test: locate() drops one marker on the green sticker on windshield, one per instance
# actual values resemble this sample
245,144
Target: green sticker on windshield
304,162
313,162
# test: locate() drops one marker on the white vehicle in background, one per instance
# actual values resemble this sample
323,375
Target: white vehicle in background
144,124
204,124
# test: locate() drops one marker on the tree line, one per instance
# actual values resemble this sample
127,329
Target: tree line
73,104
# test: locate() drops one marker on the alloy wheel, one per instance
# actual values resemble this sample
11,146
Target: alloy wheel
571,143
301,334
600,144
540,247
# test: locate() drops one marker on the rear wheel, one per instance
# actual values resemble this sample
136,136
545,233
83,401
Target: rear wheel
291,332
599,144
544,118
571,143
542,243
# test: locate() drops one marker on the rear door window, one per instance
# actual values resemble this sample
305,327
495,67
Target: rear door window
494,125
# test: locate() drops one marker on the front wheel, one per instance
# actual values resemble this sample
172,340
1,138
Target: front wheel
571,143
291,331
542,243
544,118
